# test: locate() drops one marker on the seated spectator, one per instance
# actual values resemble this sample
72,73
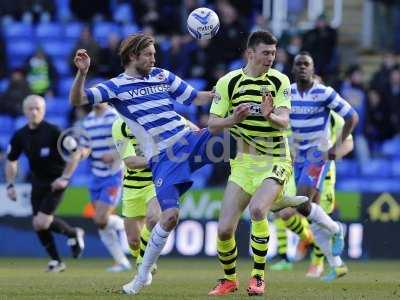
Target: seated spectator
41,74
381,77
11,100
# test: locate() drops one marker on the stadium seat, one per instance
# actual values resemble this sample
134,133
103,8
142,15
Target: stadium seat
198,83
19,122
72,31
62,66
3,84
377,167
129,29
102,30
351,185
57,106
347,168
64,85
4,141
48,31
7,124
58,120
58,49
20,48
391,147
18,30
395,164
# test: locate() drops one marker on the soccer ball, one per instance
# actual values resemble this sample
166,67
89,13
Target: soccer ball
69,143
203,23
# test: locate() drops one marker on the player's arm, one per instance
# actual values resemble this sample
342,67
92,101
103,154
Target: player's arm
125,148
204,97
11,166
77,96
62,182
350,116
276,110
345,148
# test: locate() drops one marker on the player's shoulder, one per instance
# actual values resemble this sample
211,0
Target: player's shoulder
50,126
279,80
321,89
230,75
278,74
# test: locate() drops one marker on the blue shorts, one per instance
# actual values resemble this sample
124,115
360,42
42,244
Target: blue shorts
310,168
173,167
106,189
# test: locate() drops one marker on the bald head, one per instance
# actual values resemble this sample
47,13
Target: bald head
34,109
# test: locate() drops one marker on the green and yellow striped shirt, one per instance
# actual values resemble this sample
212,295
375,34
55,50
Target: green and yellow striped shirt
127,145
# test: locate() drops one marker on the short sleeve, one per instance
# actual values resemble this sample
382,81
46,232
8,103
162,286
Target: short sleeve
283,95
179,90
102,92
14,148
221,103
336,103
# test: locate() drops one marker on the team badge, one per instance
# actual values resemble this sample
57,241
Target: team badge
217,98
286,93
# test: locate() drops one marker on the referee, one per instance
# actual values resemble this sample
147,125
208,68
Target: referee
50,177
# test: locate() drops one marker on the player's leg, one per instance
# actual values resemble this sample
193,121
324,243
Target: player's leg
260,204
234,202
109,226
310,178
284,262
75,234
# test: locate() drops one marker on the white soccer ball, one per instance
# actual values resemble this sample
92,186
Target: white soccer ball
69,143
203,23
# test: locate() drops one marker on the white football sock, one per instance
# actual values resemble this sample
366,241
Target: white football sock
117,223
110,239
323,239
317,215
156,243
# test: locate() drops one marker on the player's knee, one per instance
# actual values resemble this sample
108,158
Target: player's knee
134,241
41,224
256,212
169,219
100,220
225,231
151,221
304,209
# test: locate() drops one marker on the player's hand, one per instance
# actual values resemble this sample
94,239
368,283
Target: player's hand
11,192
267,105
332,153
241,112
59,184
108,158
82,60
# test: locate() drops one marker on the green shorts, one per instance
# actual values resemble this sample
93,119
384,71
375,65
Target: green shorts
249,171
134,201
327,199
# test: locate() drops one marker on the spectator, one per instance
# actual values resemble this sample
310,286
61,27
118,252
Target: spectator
381,77
38,10
41,74
321,42
391,94
17,90
86,41
282,63
177,57
110,64
88,10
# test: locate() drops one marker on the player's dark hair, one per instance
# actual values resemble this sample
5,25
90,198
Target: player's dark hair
134,43
261,36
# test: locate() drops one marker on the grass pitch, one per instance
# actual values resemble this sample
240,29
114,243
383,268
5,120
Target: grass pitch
190,279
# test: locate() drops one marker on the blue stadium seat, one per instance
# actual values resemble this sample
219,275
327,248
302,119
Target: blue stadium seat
4,140
6,124
58,120
64,85
4,84
391,147
347,168
72,31
197,83
57,106
18,30
18,50
58,49
62,66
20,122
129,29
102,30
377,167
48,31
395,167
351,185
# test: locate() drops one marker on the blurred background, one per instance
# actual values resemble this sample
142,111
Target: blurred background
355,45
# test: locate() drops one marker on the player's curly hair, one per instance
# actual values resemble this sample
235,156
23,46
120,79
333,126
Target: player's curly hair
134,43
261,36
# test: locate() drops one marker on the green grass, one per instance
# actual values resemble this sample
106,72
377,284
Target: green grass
190,279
